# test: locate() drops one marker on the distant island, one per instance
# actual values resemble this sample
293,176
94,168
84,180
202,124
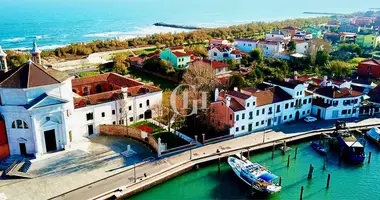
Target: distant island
177,26
322,13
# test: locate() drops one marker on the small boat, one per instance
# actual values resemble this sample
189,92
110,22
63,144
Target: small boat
318,147
352,149
254,175
374,135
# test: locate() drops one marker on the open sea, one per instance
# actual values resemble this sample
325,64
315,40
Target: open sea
348,182
55,23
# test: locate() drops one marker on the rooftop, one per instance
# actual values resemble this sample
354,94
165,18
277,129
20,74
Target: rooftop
30,75
333,92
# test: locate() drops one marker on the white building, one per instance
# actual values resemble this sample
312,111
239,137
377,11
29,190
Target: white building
258,108
278,35
216,42
271,49
246,45
336,103
302,46
45,110
224,52
303,35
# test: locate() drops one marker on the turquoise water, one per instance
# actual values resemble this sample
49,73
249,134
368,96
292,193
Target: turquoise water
347,181
54,23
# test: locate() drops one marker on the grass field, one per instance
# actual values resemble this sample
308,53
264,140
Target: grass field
84,74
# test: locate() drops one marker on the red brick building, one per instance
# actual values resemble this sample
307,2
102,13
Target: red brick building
369,67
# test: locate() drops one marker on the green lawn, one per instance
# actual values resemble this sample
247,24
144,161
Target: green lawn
162,83
84,74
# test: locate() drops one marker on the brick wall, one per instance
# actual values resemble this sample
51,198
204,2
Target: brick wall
131,132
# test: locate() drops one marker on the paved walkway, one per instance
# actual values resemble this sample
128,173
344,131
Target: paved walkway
159,169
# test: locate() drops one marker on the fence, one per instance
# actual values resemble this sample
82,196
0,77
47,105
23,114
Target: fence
129,132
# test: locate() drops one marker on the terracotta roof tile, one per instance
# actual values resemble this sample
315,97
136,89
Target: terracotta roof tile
181,54
235,105
214,64
238,94
337,93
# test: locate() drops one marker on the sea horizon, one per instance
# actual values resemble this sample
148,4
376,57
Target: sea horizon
60,23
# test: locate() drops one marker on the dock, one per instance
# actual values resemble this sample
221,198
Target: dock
144,176
177,26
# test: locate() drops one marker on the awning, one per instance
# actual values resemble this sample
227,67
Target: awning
365,97
268,177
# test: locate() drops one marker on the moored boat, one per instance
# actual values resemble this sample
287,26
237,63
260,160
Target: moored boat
374,135
254,175
318,147
352,149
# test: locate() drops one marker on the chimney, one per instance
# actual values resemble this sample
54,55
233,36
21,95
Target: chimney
228,101
3,60
295,75
216,94
235,89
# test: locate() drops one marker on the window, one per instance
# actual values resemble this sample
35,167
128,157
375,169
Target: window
247,104
120,110
19,124
85,91
353,111
344,112
237,117
243,116
262,122
286,106
349,111
278,108
130,108
304,101
290,116
215,54
237,129
114,123
250,115
90,116
292,104
141,116
98,89
140,105
297,93
270,110
257,112
131,119
308,111
263,111
103,114
309,100
285,117
253,103
230,116
113,112
257,123
147,102
242,128
303,113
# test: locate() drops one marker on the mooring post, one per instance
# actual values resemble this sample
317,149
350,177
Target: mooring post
203,138
197,167
324,163
311,169
249,157
241,155
328,181
219,165
284,148
369,157
196,139
190,155
295,154
273,151
301,193
280,181
288,160
134,172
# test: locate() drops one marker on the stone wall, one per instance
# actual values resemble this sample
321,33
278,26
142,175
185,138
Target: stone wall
129,132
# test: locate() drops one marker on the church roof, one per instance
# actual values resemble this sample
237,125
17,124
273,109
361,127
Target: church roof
44,100
31,75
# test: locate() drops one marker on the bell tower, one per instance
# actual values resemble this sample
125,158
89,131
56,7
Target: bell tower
36,54
3,60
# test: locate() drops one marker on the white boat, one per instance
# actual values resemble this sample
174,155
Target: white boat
374,135
254,175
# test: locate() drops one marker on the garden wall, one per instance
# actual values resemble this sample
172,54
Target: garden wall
131,132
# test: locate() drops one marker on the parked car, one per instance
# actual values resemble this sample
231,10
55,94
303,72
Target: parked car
310,119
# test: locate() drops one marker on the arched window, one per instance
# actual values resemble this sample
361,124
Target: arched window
85,91
147,102
19,124
98,89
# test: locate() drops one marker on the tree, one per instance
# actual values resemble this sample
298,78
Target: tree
119,64
339,69
322,58
352,48
315,45
257,55
236,80
292,46
15,59
201,75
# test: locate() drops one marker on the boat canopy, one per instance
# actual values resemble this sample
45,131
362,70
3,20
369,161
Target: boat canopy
374,133
267,177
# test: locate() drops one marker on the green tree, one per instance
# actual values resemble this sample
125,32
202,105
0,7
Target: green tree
236,80
15,59
322,58
292,46
353,48
339,69
257,55
119,64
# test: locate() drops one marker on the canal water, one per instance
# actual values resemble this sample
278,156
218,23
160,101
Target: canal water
347,181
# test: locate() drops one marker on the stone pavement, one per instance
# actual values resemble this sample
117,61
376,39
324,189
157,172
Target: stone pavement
175,163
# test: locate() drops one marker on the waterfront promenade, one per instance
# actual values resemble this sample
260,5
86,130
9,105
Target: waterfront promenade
123,183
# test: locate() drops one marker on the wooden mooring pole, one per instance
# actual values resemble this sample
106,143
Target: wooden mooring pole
328,181
280,182
311,169
301,193
288,160
249,157
369,157
219,163
295,153
134,172
284,148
